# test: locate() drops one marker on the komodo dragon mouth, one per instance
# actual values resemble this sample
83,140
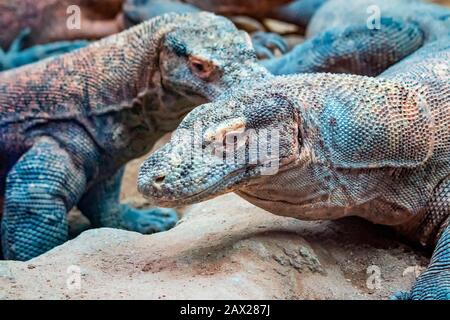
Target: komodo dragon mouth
235,181
210,191
301,210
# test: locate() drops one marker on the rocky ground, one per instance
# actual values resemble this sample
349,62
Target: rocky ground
222,249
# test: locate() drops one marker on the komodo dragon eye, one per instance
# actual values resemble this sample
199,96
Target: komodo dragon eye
231,134
203,69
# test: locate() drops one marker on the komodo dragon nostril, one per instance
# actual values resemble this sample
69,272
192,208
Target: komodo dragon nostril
158,181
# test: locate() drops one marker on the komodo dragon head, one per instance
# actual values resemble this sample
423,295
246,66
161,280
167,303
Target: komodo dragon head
199,56
233,144
206,55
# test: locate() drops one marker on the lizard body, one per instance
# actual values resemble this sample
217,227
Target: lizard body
337,145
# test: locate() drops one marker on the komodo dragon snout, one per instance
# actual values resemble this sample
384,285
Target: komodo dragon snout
212,152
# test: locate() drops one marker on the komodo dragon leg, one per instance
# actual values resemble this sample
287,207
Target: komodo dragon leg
434,283
42,186
101,204
354,49
265,43
16,57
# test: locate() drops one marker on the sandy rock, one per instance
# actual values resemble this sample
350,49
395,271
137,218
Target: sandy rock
222,249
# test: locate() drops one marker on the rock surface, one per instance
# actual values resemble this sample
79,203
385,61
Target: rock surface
222,249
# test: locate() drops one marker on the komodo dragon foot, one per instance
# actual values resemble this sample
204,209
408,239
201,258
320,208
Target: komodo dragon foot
148,221
434,283
265,43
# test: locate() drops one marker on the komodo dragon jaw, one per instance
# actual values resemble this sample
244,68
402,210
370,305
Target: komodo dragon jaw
227,152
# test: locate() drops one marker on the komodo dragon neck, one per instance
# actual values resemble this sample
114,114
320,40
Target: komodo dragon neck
104,76
115,79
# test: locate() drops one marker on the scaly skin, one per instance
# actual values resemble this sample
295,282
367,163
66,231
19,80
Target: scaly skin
69,124
347,145
137,11
339,39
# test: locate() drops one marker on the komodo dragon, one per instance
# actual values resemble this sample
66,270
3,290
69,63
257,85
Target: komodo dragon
69,124
344,36
325,146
